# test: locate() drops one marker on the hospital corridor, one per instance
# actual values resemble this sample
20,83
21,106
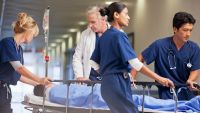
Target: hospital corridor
99,56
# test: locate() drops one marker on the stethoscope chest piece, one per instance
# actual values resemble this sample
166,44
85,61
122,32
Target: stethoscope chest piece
189,65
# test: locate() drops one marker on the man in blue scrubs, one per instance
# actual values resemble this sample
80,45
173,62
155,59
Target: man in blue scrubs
176,57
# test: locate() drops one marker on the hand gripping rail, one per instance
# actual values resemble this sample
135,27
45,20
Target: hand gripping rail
175,97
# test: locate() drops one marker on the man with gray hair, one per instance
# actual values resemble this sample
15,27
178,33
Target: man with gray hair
97,25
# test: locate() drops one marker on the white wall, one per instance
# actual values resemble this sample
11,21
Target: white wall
153,20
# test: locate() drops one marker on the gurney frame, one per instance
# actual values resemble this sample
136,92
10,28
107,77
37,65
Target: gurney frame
44,109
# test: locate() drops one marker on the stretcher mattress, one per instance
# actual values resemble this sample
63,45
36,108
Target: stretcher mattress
34,100
81,96
151,104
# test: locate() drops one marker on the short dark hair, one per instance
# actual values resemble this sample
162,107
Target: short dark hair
111,9
182,18
39,90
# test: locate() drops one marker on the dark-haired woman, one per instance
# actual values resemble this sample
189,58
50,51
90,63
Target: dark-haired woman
114,58
11,60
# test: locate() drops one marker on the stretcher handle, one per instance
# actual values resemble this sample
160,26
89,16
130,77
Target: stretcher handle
158,84
94,82
77,81
175,99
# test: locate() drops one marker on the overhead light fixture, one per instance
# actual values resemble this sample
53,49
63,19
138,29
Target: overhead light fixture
82,23
53,45
72,30
109,2
65,36
58,40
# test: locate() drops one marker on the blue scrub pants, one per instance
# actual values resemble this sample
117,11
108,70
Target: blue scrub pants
116,91
5,99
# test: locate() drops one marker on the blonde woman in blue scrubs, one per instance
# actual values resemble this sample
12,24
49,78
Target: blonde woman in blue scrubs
11,60
113,58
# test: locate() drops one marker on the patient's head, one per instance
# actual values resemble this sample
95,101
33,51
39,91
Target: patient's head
39,90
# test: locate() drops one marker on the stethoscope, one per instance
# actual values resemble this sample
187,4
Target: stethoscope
172,63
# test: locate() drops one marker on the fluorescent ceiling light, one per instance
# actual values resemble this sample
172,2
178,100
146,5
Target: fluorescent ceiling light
72,30
109,2
65,36
82,23
59,40
53,45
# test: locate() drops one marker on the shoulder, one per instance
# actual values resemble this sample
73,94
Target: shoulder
7,41
114,33
88,34
162,41
87,31
193,44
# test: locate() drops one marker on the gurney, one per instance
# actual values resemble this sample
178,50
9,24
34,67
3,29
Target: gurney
35,103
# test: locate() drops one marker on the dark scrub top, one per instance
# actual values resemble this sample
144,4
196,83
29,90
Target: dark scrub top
94,76
9,52
113,52
166,56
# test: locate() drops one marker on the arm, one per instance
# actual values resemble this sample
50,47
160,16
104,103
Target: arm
27,75
28,81
195,60
95,66
137,65
193,78
161,80
133,71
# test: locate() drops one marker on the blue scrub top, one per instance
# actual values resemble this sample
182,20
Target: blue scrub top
166,56
112,52
9,52
94,76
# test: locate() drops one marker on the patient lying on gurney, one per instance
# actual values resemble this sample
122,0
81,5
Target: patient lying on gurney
80,96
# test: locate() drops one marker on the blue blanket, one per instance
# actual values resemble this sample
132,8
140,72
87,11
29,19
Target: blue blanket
80,96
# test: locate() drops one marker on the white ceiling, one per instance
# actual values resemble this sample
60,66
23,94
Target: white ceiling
64,14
